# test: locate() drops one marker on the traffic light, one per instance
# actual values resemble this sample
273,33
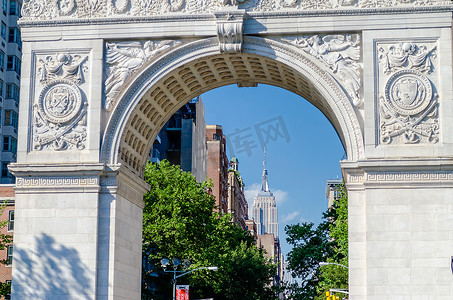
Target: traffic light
330,296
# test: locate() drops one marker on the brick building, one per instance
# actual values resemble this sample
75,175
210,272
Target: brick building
7,198
217,165
237,204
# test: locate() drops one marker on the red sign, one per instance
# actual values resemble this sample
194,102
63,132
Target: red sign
182,292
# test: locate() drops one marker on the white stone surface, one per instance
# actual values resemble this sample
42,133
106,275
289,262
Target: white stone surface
78,215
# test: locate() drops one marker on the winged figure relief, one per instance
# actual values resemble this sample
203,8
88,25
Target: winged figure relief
125,58
341,53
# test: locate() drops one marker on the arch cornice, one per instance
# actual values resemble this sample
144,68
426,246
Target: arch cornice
341,109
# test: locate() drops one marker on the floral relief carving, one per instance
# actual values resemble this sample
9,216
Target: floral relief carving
59,114
409,104
341,53
54,9
124,59
407,55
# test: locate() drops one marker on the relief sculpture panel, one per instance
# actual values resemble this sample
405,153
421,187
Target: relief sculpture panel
341,54
62,9
408,99
124,59
59,113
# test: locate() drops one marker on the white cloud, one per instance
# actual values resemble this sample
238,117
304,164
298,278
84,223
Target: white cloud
291,216
252,190
280,196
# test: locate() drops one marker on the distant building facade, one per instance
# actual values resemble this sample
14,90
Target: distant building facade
264,210
182,140
217,165
251,227
333,190
237,204
272,247
10,69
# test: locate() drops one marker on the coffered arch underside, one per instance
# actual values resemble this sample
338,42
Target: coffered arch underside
175,78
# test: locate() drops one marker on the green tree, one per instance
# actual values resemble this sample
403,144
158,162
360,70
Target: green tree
5,241
327,242
179,221
311,245
334,276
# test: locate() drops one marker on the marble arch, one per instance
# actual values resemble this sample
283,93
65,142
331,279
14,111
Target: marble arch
199,63
100,77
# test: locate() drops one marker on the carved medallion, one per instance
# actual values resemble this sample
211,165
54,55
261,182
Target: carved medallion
408,106
59,113
408,92
60,101
409,109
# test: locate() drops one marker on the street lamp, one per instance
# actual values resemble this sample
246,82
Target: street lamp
186,264
330,263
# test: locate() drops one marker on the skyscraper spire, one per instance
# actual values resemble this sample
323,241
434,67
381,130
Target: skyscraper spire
264,183
264,208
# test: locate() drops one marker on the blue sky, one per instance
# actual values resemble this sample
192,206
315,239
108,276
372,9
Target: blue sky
303,149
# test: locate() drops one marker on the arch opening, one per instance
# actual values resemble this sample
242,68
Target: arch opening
151,100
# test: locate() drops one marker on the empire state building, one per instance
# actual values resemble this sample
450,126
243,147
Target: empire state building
264,210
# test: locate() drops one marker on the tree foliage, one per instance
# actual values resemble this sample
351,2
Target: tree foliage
327,242
179,221
5,240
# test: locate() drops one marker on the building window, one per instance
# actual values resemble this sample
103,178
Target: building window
9,144
9,255
11,118
5,6
11,220
12,91
1,89
5,170
2,60
3,31
14,36
13,64
14,8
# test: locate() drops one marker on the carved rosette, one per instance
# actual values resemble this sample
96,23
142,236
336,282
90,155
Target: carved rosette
409,102
59,114
59,9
